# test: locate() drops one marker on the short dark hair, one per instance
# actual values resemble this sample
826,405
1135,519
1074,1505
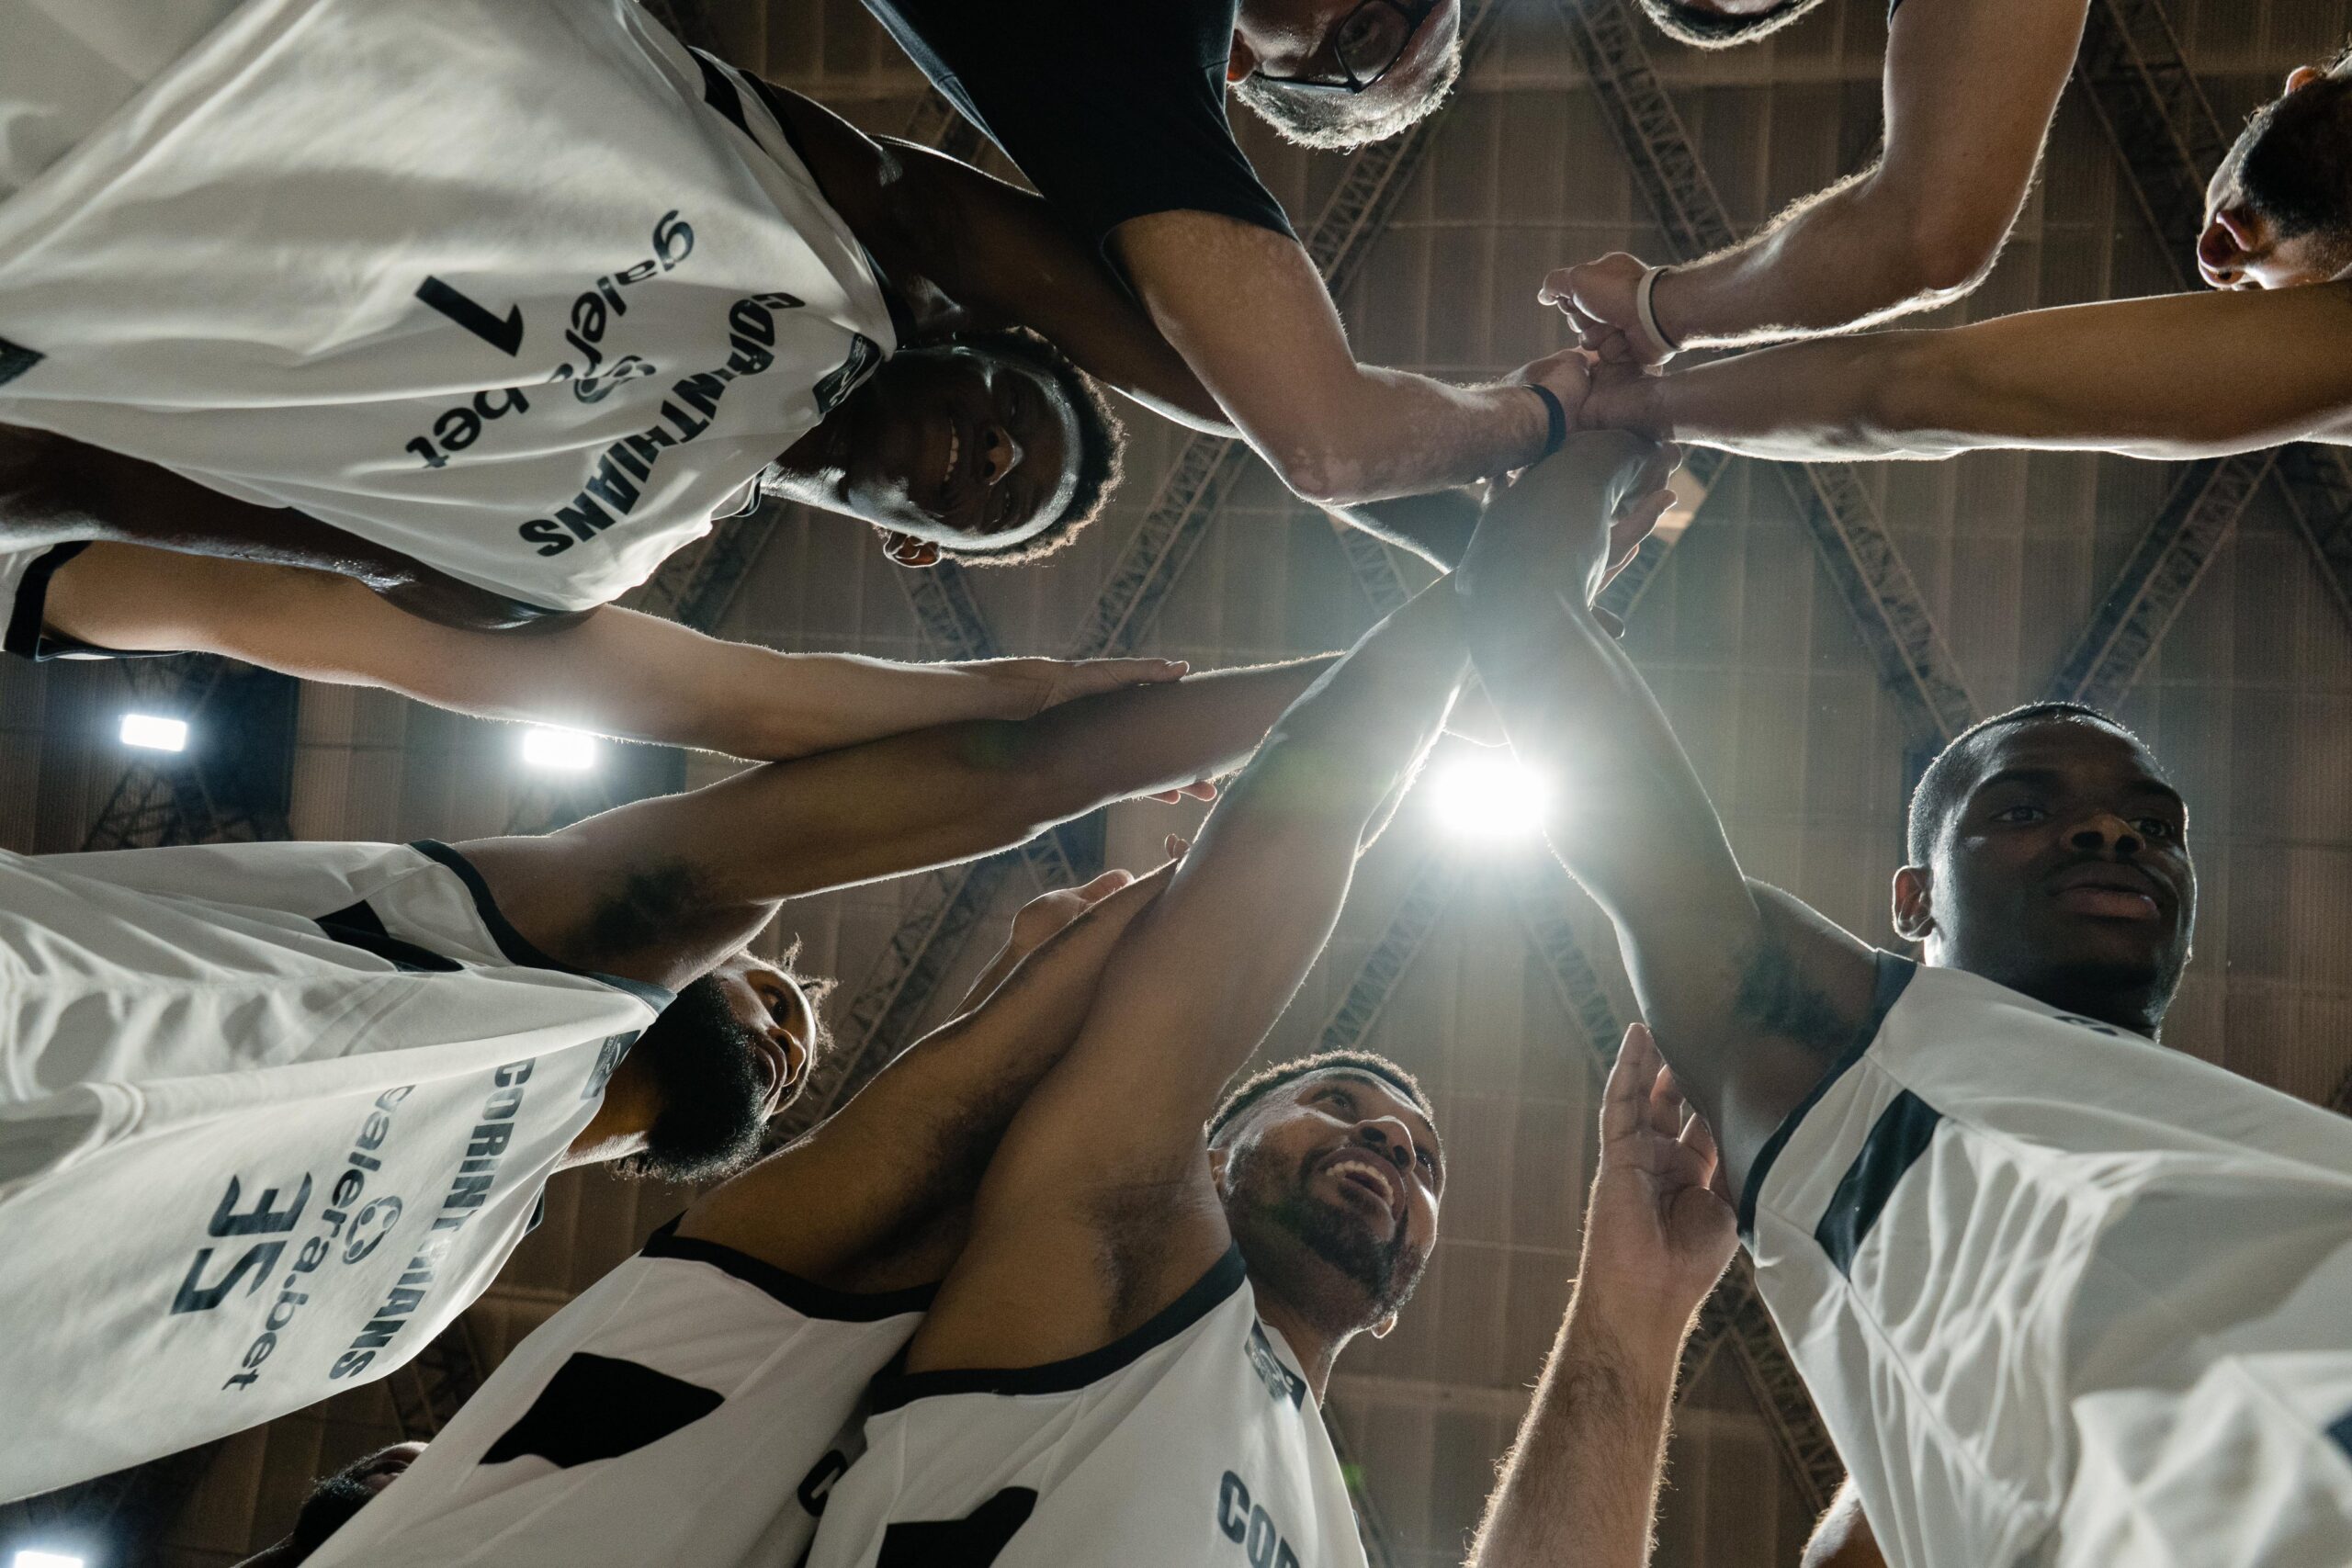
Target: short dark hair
2298,167
1703,28
1945,781
1258,1085
1334,122
1102,446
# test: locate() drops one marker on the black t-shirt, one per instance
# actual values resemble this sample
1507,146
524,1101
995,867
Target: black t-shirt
1113,108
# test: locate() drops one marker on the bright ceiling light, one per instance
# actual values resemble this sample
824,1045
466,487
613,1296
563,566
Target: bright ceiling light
558,749
1487,797
30,1559
151,733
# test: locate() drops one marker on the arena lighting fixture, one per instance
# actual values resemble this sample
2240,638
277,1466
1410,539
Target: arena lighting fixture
151,732
1487,796
558,749
28,1558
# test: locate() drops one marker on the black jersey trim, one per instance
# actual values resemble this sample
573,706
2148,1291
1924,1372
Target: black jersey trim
517,947
804,1296
1897,1139
27,635
894,1387
1893,976
720,93
359,926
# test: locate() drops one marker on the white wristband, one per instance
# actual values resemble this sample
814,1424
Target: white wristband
1647,311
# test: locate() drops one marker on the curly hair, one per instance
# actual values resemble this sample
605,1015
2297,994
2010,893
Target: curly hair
2297,170
1258,1085
1102,446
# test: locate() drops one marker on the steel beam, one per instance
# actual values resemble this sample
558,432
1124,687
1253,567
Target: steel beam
232,782
1427,896
1872,576
2168,142
428,1389
2206,502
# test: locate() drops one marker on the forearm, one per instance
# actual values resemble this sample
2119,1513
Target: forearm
1395,434
2174,376
1579,1486
1249,314
1845,258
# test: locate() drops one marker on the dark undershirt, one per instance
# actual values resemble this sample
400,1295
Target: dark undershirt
1114,109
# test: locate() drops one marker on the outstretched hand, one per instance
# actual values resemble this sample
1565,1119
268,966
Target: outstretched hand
1053,682
1658,1231
1116,896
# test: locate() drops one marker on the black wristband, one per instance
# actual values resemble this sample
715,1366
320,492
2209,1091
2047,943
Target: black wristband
1556,417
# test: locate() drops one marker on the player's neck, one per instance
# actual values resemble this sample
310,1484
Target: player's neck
617,1129
1317,1349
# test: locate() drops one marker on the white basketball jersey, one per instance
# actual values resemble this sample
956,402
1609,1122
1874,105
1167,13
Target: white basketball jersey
693,1408
271,1116
522,289
2064,1296
1192,1443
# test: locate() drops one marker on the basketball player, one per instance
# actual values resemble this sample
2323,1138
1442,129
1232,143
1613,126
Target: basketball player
2062,1296
333,1501
272,1115
1126,1363
696,1405
2175,376
506,302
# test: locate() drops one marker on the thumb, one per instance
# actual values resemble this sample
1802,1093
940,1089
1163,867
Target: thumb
1559,286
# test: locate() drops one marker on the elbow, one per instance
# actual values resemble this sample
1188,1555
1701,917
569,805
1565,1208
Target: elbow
1318,471
1946,254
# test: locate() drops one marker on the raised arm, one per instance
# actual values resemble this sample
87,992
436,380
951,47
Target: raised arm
1970,87
660,890
1186,998
1247,311
877,1197
2174,376
614,672
1580,1487
1236,334
1746,994
54,490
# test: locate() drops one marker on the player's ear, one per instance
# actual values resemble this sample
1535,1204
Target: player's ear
1915,913
909,551
2303,76
1218,1156
1241,61
1385,1327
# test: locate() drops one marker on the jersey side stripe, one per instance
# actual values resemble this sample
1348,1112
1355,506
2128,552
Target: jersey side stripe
600,1408
1896,1140
973,1541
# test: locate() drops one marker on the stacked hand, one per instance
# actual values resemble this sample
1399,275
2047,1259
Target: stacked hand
1049,682
1658,1231
1599,298
1115,897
